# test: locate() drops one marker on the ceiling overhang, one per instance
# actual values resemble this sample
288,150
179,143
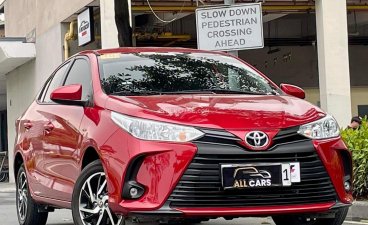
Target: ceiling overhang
14,52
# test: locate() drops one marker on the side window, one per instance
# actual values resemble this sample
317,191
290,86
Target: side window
42,92
80,73
55,83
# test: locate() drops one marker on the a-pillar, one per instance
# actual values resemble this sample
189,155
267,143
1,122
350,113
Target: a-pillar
333,59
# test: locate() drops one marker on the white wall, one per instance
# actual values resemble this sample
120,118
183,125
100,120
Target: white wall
49,49
22,16
20,93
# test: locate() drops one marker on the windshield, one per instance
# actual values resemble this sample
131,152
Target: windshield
164,73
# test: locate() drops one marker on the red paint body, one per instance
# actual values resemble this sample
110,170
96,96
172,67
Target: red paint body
54,146
293,90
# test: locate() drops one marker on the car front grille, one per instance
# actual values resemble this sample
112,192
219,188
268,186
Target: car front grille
200,186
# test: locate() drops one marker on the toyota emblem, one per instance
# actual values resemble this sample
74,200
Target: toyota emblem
257,139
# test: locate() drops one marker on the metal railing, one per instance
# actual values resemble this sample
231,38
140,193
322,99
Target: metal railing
4,170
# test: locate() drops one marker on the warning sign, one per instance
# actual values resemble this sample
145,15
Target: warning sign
228,28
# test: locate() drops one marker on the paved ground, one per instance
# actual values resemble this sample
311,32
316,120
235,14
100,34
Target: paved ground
63,217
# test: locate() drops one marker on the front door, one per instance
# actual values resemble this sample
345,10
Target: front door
32,127
62,136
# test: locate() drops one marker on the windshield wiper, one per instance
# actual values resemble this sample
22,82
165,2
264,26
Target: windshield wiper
135,92
188,92
194,91
274,92
212,91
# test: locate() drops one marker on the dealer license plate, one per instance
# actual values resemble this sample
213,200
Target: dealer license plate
240,176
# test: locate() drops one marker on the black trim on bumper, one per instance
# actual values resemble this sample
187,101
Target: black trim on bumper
131,177
340,205
164,211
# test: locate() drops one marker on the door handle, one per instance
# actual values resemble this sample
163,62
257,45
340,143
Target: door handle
28,125
48,127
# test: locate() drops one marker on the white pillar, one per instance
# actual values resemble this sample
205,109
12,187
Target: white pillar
109,32
333,59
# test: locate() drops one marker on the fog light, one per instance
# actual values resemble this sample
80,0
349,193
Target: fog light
133,192
347,186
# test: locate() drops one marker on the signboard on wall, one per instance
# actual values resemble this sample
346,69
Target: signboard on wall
85,27
228,28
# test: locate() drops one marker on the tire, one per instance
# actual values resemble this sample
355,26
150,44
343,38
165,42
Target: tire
338,220
90,205
300,220
27,209
292,220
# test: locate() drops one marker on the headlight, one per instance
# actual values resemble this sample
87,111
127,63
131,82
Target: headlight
155,131
326,127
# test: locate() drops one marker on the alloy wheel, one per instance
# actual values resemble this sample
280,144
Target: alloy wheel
94,202
22,199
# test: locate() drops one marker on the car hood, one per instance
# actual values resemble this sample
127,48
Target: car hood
220,111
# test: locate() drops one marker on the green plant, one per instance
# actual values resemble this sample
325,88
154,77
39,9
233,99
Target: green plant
357,142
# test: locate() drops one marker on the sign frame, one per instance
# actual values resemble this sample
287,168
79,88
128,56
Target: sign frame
227,7
86,17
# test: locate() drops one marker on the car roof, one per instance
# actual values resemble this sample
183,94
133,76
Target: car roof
147,49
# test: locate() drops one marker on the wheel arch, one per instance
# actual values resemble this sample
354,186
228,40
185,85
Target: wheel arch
90,155
18,161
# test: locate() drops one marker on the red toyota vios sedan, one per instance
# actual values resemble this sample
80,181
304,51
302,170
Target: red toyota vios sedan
176,135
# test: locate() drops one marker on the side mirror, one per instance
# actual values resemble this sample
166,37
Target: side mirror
293,90
68,95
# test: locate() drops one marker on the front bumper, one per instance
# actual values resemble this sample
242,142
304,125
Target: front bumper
184,179
166,212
